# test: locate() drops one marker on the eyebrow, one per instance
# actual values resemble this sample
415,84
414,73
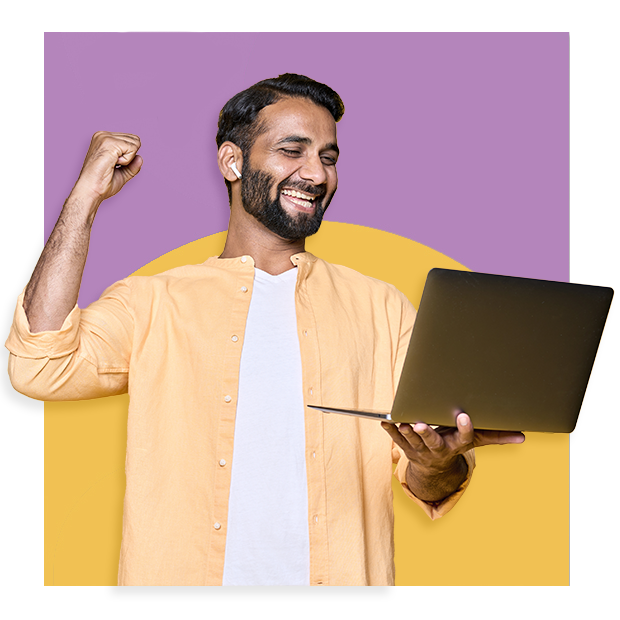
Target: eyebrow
332,146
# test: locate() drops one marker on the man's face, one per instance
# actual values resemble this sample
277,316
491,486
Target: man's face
290,177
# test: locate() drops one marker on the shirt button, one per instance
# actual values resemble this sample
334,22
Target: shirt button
316,519
234,338
222,462
305,332
244,259
227,398
310,390
244,289
217,526
314,455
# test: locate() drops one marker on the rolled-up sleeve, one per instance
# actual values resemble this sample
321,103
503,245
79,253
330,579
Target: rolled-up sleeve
433,509
88,357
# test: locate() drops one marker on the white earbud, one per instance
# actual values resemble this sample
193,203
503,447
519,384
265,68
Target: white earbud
233,166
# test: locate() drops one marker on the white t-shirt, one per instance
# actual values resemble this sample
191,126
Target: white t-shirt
267,542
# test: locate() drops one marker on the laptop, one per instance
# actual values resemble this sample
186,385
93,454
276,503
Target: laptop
515,354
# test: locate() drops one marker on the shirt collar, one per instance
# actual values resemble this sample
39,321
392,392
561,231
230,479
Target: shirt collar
246,261
304,258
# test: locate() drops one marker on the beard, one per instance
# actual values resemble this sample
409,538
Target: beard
256,188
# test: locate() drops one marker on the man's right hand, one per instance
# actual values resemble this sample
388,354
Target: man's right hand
111,161
53,288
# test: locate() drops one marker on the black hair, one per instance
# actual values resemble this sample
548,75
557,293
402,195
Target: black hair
237,122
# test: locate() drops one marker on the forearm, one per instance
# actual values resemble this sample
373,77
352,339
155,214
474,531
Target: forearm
434,486
53,290
55,283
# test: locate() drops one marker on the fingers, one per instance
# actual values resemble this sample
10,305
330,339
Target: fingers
133,168
397,437
488,438
127,137
432,440
444,440
465,430
407,444
423,446
467,437
129,154
420,437
123,145
454,440
111,161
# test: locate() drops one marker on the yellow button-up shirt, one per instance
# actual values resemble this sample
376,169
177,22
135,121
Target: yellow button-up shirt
174,341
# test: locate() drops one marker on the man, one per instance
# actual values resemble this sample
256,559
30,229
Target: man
234,349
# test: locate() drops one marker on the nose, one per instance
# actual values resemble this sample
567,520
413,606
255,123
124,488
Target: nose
313,170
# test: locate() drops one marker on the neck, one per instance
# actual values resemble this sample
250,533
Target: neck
248,237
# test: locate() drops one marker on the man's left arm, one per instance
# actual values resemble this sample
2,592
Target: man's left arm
436,465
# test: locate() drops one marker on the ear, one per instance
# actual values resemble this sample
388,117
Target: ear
227,154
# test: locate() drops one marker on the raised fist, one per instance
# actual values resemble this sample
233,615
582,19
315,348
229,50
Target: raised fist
110,162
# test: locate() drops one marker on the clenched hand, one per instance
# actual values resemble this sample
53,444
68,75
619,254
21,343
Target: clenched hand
111,161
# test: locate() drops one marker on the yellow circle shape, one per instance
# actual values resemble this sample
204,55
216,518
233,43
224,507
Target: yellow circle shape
510,527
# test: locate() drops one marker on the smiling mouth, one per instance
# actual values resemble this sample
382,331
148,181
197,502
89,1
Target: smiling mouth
299,199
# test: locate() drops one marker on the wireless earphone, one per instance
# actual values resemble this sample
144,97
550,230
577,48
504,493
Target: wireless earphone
233,166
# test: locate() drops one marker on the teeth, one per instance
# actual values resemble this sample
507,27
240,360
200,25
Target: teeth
297,194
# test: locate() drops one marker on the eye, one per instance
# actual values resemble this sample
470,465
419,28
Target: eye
328,161
291,152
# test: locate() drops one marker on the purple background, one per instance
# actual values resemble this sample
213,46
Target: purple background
458,141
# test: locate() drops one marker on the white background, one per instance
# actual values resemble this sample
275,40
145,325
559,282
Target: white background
595,166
